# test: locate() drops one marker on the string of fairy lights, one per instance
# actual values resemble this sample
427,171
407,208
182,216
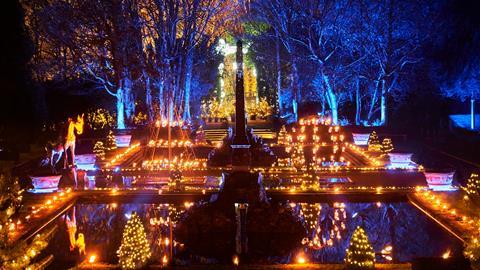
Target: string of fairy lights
322,235
360,254
18,225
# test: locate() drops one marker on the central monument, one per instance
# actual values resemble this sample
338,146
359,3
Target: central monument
222,228
240,144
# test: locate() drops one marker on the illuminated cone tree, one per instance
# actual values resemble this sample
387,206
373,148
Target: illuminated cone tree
374,143
473,185
360,254
111,143
134,250
99,150
282,136
387,146
472,251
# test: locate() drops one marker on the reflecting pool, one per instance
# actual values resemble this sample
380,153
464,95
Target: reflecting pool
397,231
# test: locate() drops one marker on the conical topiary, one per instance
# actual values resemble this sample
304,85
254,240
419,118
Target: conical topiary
135,249
360,254
374,143
387,146
473,185
111,143
282,136
99,150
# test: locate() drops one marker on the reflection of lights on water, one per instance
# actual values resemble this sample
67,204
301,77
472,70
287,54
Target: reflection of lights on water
235,260
188,204
323,234
92,258
387,253
165,260
301,259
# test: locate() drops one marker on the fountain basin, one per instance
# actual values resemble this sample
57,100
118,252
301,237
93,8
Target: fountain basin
361,139
440,181
45,184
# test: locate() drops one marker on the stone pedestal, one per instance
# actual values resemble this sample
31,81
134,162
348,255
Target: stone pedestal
45,184
241,187
360,139
401,161
440,181
241,157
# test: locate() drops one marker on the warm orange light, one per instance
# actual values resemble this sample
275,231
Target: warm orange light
301,259
236,260
446,255
92,258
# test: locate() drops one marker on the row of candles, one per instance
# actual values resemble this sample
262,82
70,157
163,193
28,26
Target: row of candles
177,163
450,213
121,156
173,143
14,226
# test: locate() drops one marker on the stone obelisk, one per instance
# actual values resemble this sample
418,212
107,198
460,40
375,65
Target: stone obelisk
240,145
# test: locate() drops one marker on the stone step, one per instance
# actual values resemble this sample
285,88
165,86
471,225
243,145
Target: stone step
217,135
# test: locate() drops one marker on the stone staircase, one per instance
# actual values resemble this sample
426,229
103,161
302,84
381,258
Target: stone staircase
217,135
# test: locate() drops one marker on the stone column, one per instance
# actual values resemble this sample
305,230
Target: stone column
240,145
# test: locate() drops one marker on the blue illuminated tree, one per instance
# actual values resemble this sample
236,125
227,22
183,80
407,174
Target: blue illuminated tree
465,86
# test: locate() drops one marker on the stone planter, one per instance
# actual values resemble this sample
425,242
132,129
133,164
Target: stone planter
45,184
439,181
123,140
361,139
401,161
86,162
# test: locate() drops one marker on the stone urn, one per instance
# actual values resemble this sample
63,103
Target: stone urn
401,161
123,140
439,181
45,184
86,162
361,139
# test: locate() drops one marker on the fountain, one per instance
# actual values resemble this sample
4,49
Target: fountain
239,219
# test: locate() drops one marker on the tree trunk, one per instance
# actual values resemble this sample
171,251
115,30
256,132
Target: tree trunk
383,105
120,108
279,75
188,85
161,99
148,98
358,103
373,101
129,99
472,113
331,99
295,89
295,109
